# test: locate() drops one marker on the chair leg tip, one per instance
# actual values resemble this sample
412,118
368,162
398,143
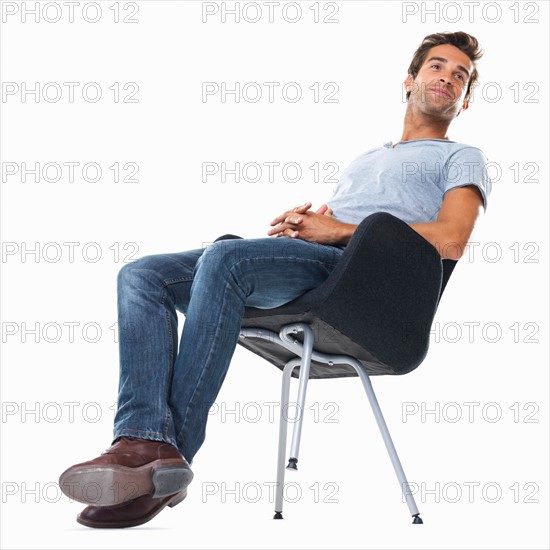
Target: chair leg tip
292,464
278,515
417,519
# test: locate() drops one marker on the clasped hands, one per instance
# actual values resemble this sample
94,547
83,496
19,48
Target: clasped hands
302,223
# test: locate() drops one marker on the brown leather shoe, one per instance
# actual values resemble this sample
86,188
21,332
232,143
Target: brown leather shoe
130,514
129,469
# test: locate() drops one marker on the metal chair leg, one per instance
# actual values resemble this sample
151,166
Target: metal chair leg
390,447
283,428
305,352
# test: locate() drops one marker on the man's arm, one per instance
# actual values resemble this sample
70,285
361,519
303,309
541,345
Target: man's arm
449,234
455,222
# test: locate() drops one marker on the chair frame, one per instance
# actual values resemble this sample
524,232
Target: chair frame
305,354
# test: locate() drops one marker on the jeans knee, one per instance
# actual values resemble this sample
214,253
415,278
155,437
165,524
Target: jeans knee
218,255
229,253
135,274
126,274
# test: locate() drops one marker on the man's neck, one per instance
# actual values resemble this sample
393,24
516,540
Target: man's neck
423,126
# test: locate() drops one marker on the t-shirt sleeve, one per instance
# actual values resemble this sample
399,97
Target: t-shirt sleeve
468,166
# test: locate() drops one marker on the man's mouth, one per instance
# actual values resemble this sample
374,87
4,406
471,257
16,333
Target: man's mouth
440,92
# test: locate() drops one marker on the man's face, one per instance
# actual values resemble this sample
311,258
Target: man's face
441,82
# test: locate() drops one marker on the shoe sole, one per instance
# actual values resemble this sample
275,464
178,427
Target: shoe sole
174,501
115,484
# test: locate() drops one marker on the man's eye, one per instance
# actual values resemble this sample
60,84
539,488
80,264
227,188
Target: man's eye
460,75
435,65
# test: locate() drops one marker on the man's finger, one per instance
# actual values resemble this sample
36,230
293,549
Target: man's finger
282,227
279,219
325,210
303,208
299,209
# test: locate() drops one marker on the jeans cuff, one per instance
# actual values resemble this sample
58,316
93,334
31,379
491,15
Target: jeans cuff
143,434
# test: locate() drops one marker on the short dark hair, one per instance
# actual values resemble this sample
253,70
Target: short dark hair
463,41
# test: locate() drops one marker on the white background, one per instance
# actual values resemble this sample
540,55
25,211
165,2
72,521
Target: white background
169,132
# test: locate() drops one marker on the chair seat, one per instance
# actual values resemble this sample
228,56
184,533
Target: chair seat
327,340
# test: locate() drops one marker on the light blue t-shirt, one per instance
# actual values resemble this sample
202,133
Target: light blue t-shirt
408,180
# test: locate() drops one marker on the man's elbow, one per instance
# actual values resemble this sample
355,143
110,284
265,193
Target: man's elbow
453,246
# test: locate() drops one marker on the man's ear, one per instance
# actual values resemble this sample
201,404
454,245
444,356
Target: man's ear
463,108
409,83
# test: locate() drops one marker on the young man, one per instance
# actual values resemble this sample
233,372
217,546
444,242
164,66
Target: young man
436,185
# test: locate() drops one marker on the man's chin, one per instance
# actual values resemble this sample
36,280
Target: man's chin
438,111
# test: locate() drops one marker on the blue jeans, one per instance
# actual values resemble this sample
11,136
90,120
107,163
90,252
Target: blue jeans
165,394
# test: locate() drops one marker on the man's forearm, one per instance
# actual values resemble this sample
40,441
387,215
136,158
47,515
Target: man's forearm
439,235
345,233
436,233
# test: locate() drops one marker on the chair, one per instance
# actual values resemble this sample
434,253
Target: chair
371,316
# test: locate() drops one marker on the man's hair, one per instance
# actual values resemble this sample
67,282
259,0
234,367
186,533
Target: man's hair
461,40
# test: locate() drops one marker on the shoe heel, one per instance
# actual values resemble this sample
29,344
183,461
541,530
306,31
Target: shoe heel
170,480
181,496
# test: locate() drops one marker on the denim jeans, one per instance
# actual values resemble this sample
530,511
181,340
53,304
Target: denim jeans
164,393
